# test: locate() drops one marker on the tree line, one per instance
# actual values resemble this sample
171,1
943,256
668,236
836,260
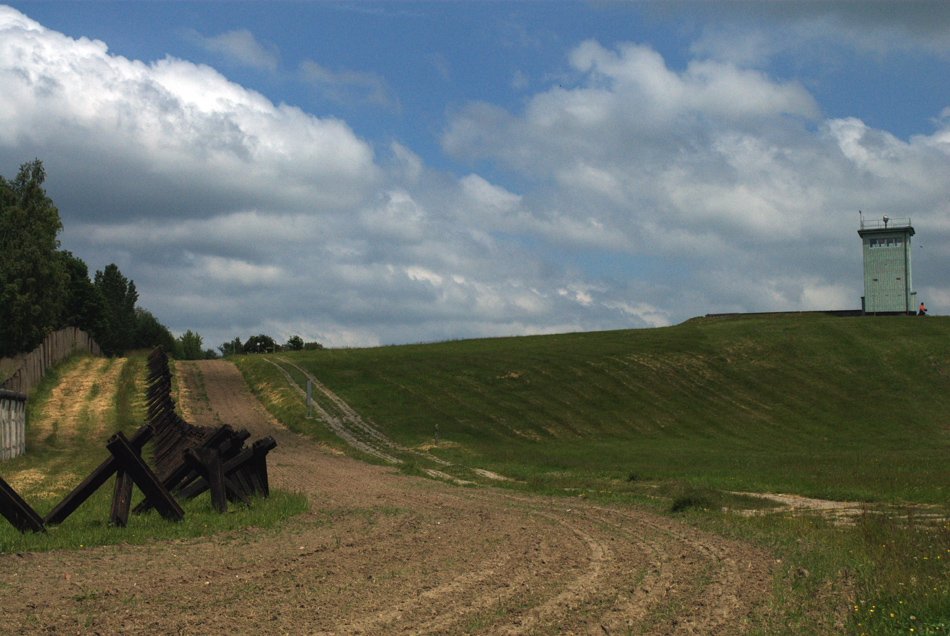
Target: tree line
265,344
44,288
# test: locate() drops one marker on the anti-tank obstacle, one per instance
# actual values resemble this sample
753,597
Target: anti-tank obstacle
187,460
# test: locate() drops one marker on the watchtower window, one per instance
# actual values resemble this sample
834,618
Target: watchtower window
886,242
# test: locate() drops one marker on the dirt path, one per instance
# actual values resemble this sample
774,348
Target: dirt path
382,553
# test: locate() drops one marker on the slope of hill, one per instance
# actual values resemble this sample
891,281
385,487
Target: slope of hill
844,408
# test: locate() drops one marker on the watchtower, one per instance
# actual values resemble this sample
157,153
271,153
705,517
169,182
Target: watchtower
888,287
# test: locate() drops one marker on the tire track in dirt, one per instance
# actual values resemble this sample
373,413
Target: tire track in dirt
342,426
351,427
651,573
384,553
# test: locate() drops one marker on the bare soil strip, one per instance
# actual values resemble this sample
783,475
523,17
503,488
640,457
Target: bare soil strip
382,553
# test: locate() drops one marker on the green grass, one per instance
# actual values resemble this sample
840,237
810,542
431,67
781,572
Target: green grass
58,467
89,525
844,408
854,409
280,399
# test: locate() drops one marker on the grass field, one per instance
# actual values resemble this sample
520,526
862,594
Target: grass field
838,408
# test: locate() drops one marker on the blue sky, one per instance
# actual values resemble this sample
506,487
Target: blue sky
372,173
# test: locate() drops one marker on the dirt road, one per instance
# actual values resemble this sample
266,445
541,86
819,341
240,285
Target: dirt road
382,553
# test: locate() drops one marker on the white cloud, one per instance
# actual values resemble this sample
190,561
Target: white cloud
636,81
398,218
423,274
348,85
231,270
120,127
240,47
578,294
486,195
653,316
716,173
638,195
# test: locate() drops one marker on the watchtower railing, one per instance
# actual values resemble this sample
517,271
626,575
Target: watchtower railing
882,224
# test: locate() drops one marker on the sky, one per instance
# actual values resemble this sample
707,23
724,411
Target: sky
374,173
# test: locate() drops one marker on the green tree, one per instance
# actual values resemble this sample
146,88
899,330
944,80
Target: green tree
120,295
188,346
33,279
295,343
259,344
233,348
150,333
84,306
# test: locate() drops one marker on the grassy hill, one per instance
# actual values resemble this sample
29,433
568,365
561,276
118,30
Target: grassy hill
830,407
844,408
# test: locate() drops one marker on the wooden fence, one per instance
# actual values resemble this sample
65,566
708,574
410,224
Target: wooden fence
14,392
54,348
12,424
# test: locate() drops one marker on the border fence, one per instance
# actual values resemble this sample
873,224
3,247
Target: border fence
12,424
15,390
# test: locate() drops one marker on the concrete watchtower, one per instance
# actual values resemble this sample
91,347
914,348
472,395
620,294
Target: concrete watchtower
888,287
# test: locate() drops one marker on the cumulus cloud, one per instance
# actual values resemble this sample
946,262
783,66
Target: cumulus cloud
176,134
633,195
727,177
